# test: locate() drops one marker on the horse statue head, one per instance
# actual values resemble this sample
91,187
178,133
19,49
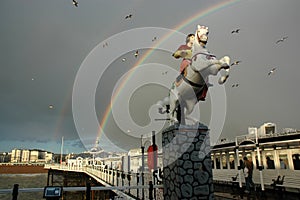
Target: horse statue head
201,35
191,86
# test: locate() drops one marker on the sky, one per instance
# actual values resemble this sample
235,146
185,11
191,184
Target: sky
70,72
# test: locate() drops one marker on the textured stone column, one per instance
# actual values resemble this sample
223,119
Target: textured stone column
187,169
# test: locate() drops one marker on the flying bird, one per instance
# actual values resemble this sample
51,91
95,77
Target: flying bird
128,16
163,73
51,107
105,44
272,71
155,38
136,53
235,85
281,40
236,62
123,59
236,31
75,3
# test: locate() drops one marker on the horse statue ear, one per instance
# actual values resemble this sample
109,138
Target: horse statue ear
203,29
201,33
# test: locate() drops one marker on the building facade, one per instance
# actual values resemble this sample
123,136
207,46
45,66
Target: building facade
30,156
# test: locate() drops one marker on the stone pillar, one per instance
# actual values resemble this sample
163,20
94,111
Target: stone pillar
187,165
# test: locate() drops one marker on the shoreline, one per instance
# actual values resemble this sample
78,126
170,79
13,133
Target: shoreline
22,169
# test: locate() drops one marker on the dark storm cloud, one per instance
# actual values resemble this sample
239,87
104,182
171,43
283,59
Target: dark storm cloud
43,43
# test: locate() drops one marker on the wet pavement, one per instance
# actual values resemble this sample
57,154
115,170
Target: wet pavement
225,192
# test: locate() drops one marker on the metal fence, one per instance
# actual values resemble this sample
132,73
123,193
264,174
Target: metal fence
149,189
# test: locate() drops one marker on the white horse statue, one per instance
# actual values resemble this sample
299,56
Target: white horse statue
192,85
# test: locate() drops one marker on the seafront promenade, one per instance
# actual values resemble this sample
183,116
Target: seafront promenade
136,186
120,185
132,186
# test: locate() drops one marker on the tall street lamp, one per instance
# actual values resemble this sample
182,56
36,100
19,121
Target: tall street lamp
143,166
4,154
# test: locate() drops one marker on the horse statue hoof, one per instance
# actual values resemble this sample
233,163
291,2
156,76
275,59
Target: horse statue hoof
222,79
225,59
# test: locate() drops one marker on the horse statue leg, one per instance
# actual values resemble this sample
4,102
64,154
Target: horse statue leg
225,62
223,78
225,65
189,105
173,97
216,66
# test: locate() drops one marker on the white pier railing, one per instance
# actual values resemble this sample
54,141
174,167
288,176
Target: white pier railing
124,185
134,185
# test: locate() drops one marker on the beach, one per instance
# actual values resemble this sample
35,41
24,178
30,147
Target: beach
22,169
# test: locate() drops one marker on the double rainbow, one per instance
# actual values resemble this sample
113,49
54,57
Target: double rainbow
180,26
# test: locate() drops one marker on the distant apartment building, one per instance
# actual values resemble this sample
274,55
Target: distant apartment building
30,156
25,155
265,129
48,157
16,155
134,159
34,155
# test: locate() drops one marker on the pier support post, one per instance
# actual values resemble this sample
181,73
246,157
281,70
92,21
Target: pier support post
88,191
150,190
187,167
15,192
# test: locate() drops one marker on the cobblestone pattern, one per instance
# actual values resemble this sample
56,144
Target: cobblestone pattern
187,163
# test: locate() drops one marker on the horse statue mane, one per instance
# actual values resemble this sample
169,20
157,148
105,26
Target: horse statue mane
191,86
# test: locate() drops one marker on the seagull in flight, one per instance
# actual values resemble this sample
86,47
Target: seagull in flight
75,3
105,44
236,62
272,71
281,40
235,85
51,106
155,38
128,16
236,31
136,53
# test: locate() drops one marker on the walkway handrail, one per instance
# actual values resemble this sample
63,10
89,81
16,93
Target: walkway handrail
72,189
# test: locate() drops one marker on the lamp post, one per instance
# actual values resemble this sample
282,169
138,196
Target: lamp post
154,160
4,154
143,166
61,151
238,163
154,151
259,162
143,154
